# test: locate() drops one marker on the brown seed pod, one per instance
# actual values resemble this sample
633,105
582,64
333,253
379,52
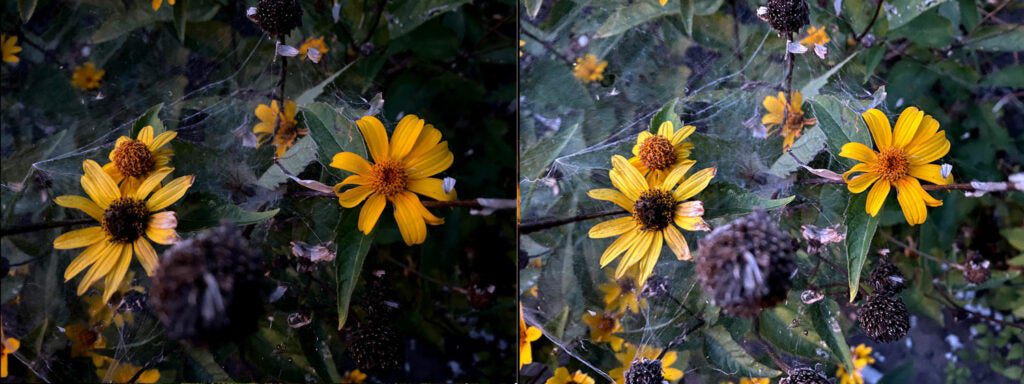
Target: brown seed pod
884,318
278,17
886,278
786,16
804,375
644,371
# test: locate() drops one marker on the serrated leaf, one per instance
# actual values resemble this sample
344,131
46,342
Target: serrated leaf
293,162
840,123
824,317
666,113
860,229
332,133
152,118
722,351
353,246
26,8
629,16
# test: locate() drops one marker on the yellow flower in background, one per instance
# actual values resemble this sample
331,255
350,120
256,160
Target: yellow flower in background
353,377
656,210
603,327
589,69
134,160
814,36
903,156
112,371
87,77
662,2
103,313
656,155
790,116
9,49
631,353
317,43
755,380
282,127
621,295
522,43
126,221
401,168
10,345
562,376
158,3
84,339
861,358
527,335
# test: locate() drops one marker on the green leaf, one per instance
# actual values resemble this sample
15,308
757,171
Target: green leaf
998,38
629,16
903,11
722,351
353,246
902,374
122,23
930,29
314,343
152,118
532,7
1009,77
666,113
860,229
25,9
774,325
211,210
686,9
707,7
726,199
208,368
824,317
1015,236
410,14
180,17
812,88
310,95
321,119
292,163
536,159
840,123
805,148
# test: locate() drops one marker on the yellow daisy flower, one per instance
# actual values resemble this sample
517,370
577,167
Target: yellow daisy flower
562,376
861,358
621,295
135,160
401,168
603,327
353,377
112,371
656,155
126,219
755,380
662,2
790,116
9,49
10,345
311,42
158,3
282,127
814,36
589,69
904,155
630,353
527,335
656,210
84,339
87,77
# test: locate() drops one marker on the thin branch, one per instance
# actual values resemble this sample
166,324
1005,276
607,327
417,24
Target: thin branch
538,225
878,10
281,82
967,187
992,319
481,203
790,59
19,229
548,46
681,338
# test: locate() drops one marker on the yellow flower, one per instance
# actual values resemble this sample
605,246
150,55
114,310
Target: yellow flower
562,376
755,380
126,219
353,377
603,327
112,371
621,295
10,345
401,168
657,155
656,210
662,2
861,358
904,156
84,339
522,43
815,35
87,77
102,312
9,48
158,3
527,335
311,42
630,353
589,69
790,116
282,127
533,291
136,160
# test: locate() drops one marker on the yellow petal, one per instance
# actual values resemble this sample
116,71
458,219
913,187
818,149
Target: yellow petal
86,258
627,178
694,184
682,134
929,126
431,163
859,152
375,136
351,162
156,4
406,134
116,274
102,266
677,243
79,238
858,183
162,139
906,126
170,193
693,208
774,105
612,195
427,216
796,101
163,220
147,255
353,180
429,138
876,197
410,222
911,202
691,223
81,203
98,184
930,150
430,187
267,114
370,212
613,227
649,260
666,130
672,374
354,196
113,172
162,236
931,173
151,182
879,126
677,173
635,253
145,135
618,246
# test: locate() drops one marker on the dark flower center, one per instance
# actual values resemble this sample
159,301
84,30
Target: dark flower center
126,220
388,178
657,153
654,210
606,324
133,158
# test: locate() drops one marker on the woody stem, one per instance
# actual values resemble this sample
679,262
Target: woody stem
19,229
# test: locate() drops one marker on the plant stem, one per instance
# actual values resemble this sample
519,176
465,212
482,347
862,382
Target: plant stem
768,347
19,229
790,58
967,187
878,9
538,225
281,82
682,337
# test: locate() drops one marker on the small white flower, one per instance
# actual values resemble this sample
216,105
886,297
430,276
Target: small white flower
820,50
287,50
794,47
449,184
314,55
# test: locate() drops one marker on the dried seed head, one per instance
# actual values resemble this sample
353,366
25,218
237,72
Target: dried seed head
804,375
125,219
374,346
133,158
654,209
884,318
747,264
210,289
278,17
786,15
976,268
887,279
644,371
